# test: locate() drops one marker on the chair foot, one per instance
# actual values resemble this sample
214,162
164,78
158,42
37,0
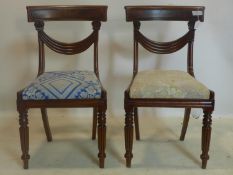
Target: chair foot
101,162
185,123
101,136
204,164
25,164
206,136
128,163
181,138
24,137
128,135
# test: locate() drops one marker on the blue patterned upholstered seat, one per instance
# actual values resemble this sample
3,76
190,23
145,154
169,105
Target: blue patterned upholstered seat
64,85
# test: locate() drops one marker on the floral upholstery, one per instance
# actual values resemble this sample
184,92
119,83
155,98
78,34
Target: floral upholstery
167,84
64,85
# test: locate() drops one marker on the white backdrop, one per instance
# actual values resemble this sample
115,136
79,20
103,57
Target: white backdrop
213,56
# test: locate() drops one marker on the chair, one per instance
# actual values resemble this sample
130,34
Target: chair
66,89
166,88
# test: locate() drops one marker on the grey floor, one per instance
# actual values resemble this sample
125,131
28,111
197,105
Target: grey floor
159,151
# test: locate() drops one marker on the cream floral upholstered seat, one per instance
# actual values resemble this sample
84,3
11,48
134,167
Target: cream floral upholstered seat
167,84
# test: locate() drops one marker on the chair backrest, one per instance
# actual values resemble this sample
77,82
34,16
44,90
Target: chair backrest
40,14
192,14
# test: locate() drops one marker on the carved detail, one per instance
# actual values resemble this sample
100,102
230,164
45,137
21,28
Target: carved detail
39,25
206,136
163,47
68,48
191,25
137,25
96,25
23,119
129,119
128,135
101,119
101,137
207,120
24,137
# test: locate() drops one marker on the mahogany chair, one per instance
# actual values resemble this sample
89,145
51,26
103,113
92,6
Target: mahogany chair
64,89
166,88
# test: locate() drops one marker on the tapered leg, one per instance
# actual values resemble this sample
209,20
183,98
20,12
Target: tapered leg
94,124
46,124
24,137
185,123
137,132
128,135
101,136
206,135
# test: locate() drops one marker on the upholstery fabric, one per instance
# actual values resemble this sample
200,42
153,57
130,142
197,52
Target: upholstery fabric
167,84
64,85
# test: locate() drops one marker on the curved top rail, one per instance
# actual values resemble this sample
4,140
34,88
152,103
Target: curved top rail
66,13
167,13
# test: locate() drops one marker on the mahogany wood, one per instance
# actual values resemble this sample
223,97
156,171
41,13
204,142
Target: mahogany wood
101,135
128,134
206,135
170,13
137,133
67,13
192,14
163,48
185,123
94,124
39,14
46,124
24,136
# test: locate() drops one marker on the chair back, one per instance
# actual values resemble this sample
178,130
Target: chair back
192,14
40,14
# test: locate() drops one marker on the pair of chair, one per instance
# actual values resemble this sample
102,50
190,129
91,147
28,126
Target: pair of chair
154,88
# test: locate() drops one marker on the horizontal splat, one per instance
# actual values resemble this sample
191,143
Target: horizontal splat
163,47
68,48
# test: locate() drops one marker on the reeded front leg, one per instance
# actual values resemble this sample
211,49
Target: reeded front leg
128,135
24,137
101,136
206,135
94,124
